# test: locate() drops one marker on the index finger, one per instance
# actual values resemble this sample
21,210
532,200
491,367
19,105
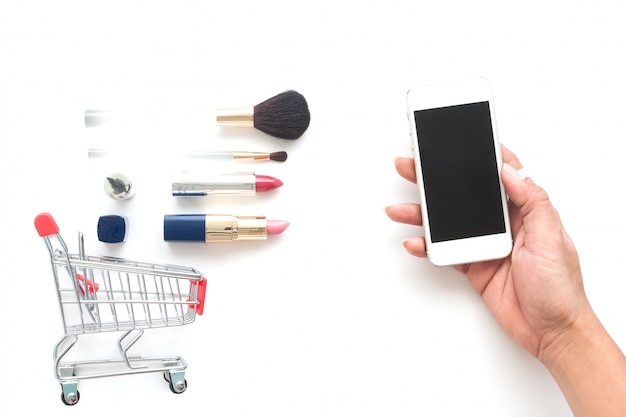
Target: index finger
406,168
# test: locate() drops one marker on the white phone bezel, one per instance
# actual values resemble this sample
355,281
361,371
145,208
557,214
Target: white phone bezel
468,250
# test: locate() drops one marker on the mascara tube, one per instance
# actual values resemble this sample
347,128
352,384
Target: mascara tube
219,227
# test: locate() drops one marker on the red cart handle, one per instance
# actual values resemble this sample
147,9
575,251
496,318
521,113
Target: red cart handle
45,225
201,294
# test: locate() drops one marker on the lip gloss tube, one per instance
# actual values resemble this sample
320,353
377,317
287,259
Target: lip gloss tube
219,227
241,183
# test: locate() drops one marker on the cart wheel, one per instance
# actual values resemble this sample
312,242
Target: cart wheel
177,388
71,399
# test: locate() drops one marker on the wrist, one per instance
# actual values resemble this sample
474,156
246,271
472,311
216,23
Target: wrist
570,342
588,366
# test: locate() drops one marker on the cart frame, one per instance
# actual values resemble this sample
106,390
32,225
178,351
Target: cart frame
107,294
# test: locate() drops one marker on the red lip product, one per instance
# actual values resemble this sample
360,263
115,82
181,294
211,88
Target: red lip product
241,183
219,227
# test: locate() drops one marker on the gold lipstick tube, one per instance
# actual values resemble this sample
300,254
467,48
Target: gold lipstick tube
225,228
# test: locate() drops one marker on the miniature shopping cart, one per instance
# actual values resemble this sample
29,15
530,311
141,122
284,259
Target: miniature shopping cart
105,294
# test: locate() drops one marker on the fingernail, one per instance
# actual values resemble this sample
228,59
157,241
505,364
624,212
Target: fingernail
518,174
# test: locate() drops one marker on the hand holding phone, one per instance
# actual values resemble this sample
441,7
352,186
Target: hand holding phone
458,162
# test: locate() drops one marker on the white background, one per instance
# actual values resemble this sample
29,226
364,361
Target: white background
331,318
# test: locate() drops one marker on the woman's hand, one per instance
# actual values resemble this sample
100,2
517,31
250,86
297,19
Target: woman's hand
537,291
536,294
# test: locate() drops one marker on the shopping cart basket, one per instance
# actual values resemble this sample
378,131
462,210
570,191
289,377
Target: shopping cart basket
106,294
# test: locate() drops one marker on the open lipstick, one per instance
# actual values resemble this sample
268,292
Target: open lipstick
219,227
242,183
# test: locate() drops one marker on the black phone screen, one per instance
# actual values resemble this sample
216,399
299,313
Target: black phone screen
459,168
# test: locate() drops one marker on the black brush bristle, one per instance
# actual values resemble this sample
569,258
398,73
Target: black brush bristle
284,116
278,156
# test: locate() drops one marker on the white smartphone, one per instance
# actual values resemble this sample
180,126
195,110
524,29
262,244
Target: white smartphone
458,164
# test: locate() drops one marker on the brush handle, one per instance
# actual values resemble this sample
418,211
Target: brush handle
95,153
242,117
139,117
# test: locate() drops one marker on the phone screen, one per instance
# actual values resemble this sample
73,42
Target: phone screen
460,172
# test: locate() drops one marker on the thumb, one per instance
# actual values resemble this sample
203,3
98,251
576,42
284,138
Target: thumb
522,190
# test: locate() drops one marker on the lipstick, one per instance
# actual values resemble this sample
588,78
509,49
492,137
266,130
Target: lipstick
219,227
242,183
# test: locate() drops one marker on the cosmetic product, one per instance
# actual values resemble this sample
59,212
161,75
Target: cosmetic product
237,156
118,186
240,183
219,227
112,228
285,116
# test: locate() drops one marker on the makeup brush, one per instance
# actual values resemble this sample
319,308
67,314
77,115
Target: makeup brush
285,116
242,156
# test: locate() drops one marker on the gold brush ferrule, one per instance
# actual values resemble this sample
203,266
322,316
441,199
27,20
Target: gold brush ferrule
250,156
227,228
242,117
